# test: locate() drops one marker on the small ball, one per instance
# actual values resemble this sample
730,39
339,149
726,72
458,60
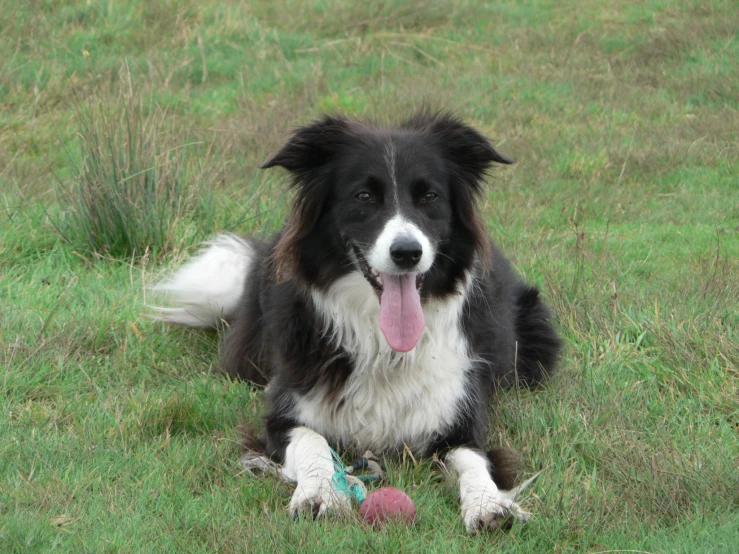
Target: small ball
385,504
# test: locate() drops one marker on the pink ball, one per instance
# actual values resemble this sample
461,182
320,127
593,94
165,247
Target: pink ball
385,504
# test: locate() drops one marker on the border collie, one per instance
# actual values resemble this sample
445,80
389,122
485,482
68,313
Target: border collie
381,317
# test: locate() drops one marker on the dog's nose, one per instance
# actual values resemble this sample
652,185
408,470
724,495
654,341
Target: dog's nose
406,252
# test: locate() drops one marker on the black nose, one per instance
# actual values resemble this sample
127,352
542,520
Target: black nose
406,252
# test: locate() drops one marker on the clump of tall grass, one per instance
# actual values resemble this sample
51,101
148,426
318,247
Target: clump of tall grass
137,184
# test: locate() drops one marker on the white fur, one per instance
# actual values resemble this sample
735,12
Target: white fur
483,504
309,463
259,462
390,161
207,289
390,398
379,255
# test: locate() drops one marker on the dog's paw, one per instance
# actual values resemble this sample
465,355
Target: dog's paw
317,497
484,507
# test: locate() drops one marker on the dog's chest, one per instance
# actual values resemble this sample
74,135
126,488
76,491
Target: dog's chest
390,399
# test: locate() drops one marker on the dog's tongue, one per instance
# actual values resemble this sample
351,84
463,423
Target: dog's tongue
401,315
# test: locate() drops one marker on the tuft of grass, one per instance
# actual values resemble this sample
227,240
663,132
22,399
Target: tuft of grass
137,183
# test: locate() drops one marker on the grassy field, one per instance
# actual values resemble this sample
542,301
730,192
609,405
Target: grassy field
118,435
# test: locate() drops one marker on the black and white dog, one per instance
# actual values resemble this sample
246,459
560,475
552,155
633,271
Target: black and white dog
381,317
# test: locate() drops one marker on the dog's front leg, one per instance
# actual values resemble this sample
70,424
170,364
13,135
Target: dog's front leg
484,506
309,463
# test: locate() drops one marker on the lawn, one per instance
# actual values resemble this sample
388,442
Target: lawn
118,434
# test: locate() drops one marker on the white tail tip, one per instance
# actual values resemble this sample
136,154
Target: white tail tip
207,289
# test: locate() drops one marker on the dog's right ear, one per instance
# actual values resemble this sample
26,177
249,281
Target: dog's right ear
311,147
307,155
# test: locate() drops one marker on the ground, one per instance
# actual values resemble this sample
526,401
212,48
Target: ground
117,433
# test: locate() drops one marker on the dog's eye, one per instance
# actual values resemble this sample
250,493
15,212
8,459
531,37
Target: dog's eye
364,196
429,197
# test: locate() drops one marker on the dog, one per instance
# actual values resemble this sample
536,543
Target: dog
381,317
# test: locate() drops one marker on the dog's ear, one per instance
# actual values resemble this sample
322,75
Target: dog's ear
470,152
311,147
307,156
466,148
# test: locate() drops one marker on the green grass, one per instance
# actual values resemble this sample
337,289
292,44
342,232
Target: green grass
137,182
116,435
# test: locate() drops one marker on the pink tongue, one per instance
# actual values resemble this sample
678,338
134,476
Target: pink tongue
401,316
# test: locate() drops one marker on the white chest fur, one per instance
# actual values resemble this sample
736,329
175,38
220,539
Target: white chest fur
390,399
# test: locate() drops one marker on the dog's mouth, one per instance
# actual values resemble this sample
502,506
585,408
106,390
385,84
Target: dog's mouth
374,277
401,314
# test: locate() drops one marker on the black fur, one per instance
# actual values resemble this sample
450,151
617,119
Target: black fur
276,336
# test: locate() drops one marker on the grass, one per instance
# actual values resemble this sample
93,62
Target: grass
623,206
135,186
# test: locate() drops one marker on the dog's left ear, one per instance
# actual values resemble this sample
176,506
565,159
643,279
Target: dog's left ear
307,156
467,149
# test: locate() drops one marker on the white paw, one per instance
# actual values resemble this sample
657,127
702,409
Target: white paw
484,506
317,497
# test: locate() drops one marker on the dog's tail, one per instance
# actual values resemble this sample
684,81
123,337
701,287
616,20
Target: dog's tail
206,290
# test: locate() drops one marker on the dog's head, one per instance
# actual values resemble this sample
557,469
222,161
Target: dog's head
397,204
